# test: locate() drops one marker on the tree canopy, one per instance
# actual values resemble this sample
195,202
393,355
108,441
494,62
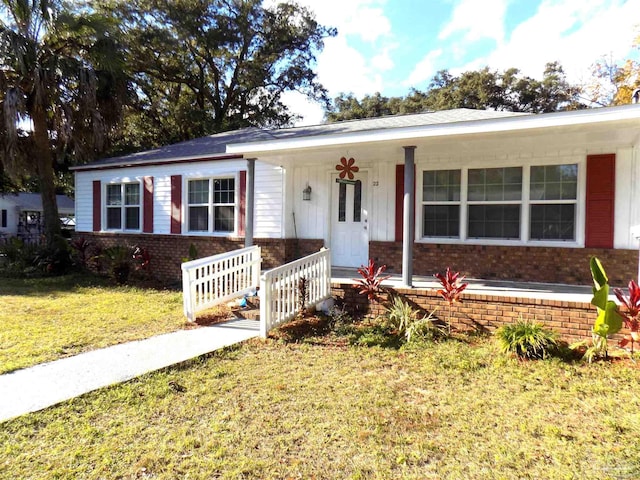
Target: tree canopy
477,89
60,91
210,66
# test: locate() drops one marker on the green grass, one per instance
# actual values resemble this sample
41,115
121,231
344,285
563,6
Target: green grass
49,318
450,410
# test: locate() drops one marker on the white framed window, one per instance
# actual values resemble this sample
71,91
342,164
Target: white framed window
123,206
553,198
531,203
211,205
441,203
494,202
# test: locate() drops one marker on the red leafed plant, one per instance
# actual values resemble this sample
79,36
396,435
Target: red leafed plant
452,288
371,280
630,316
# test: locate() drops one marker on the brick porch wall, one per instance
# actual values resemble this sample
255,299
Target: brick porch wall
571,320
167,251
530,264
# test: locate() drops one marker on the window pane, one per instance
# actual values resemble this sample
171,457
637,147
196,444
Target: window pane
554,182
198,191
441,221
132,194
198,219
357,201
114,218
223,191
494,221
441,186
495,184
132,218
553,222
114,194
223,219
342,202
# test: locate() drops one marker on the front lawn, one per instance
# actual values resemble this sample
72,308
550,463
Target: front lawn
48,318
272,410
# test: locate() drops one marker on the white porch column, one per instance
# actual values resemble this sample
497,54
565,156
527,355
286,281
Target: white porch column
250,195
408,219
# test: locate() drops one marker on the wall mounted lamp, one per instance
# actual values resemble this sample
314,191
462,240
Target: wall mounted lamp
306,193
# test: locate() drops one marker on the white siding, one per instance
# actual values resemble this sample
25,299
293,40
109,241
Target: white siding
268,187
12,217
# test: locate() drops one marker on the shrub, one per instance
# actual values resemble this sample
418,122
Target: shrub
526,339
119,260
371,282
404,320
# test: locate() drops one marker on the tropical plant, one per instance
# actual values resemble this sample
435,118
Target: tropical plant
62,75
404,320
371,282
451,291
526,339
81,248
119,260
631,315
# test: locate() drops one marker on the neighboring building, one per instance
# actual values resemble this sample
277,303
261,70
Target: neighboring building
495,194
21,214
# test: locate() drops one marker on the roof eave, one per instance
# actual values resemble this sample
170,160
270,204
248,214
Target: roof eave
517,123
157,161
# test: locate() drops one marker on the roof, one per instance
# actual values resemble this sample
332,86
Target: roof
238,143
33,202
215,146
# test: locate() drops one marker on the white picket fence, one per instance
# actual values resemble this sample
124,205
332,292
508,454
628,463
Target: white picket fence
280,292
210,281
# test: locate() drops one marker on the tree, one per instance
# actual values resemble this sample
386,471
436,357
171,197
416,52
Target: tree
479,89
60,90
613,83
215,65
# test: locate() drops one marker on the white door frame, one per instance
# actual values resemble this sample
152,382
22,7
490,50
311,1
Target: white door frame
366,207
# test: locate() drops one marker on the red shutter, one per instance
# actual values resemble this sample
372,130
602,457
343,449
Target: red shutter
601,179
242,213
400,199
147,205
176,203
97,208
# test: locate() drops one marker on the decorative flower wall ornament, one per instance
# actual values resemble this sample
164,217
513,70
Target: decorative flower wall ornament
347,168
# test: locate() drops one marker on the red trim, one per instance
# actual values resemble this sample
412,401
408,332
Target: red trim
147,205
242,215
400,201
84,168
601,184
176,204
97,208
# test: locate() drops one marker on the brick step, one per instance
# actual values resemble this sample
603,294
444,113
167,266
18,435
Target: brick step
247,313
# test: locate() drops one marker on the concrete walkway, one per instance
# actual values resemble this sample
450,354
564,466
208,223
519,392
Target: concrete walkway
42,386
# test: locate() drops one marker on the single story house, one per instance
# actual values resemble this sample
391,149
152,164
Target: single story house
495,195
21,214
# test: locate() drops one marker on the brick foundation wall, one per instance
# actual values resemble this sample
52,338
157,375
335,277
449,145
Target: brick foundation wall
530,264
167,251
571,320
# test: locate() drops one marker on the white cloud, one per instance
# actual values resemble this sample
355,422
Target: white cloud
340,67
574,32
477,20
424,70
313,112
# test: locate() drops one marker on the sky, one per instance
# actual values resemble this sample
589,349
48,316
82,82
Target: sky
391,46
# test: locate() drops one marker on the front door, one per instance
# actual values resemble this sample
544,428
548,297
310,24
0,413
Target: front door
349,221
